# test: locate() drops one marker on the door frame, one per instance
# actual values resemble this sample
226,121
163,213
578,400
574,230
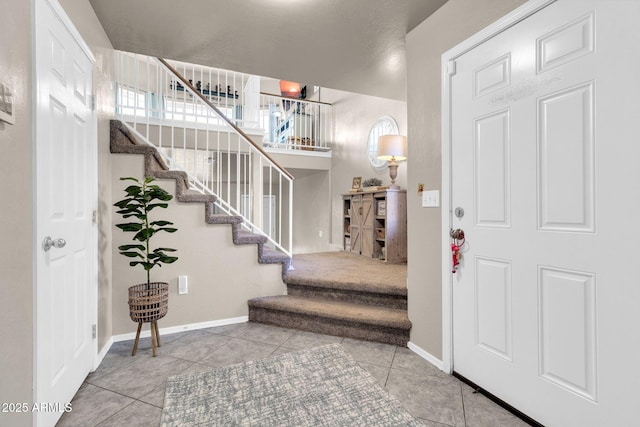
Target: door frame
448,71
60,13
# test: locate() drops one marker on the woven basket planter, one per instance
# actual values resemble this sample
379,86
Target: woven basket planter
148,302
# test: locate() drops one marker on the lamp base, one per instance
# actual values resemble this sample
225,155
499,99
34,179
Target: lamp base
393,173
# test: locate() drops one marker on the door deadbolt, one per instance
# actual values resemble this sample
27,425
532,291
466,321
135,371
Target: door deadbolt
459,212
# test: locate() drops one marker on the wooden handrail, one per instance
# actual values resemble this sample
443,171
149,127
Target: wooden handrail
186,83
288,98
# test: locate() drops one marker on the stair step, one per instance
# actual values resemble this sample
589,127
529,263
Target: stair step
192,196
360,295
247,238
223,219
272,256
339,318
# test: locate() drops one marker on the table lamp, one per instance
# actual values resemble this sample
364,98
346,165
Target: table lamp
392,148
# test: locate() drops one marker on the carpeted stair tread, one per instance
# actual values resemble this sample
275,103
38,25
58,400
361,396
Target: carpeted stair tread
223,219
193,196
334,293
354,286
356,313
123,141
272,256
241,237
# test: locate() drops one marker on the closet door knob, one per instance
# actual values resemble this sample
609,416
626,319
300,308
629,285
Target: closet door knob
49,243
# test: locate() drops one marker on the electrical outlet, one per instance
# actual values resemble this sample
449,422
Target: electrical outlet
183,285
320,233
431,199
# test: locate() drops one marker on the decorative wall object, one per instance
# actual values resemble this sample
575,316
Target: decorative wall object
6,105
356,184
218,91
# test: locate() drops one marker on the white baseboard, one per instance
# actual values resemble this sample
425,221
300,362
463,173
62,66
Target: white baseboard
181,328
426,355
102,353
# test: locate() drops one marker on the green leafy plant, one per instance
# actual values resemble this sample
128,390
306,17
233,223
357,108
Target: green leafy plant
371,182
142,198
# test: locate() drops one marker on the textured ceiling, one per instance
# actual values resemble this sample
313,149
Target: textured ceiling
352,45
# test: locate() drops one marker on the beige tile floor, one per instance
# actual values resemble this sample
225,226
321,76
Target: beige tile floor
129,391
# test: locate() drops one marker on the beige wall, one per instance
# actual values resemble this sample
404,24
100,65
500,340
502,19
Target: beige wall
16,215
454,22
222,276
312,211
352,116
16,223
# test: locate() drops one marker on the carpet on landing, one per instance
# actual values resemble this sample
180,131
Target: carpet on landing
342,269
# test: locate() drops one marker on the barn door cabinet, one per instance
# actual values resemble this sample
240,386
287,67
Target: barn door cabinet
375,225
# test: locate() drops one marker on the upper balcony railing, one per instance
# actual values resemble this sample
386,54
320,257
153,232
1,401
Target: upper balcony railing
277,122
295,124
193,115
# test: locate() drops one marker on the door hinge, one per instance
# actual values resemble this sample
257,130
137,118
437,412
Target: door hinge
92,102
451,67
94,331
94,216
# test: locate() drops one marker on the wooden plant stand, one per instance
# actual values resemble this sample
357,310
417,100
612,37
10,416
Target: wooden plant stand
147,304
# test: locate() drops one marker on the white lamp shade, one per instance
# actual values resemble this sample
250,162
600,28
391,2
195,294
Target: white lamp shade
392,146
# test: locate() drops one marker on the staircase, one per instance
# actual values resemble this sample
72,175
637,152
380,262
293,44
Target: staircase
343,304
337,294
180,127
195,130
124,141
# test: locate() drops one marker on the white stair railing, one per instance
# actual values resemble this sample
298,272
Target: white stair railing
191,115
295,124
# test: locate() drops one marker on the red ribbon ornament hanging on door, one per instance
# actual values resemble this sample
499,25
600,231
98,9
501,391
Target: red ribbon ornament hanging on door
457,241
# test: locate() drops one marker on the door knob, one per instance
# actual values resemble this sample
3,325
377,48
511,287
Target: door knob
48,243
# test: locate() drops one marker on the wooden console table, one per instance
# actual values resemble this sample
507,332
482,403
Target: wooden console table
375,224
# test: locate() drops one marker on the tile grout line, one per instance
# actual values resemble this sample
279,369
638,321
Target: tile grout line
386,380
464,411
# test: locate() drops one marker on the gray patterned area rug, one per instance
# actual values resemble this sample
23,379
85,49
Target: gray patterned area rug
323,386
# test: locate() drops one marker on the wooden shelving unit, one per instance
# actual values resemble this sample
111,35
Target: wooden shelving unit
375,224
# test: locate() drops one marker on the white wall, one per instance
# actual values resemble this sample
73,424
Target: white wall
454,22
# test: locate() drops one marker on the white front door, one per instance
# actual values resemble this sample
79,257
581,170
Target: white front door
66,198
545,146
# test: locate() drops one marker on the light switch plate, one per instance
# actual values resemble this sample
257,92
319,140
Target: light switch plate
431,199
183,285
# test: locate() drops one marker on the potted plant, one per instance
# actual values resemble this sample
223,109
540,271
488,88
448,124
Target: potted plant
148,301
371,184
